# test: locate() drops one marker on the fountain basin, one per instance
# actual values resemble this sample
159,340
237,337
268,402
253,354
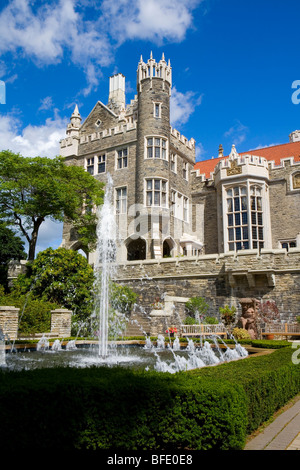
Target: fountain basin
134,354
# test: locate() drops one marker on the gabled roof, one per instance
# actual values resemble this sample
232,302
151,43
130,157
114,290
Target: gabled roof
104,107
275,153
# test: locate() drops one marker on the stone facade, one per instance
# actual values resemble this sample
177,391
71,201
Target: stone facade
225,229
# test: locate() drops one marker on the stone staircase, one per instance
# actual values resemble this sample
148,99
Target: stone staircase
138,325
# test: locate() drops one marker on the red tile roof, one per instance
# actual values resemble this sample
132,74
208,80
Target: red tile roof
274,153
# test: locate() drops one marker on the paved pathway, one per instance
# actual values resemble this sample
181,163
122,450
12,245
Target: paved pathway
282,434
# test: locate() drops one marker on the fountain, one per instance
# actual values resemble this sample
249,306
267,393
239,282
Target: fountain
2,349
56,346
43,344
106,250
163,357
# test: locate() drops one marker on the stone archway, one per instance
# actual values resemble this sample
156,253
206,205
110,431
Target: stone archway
136,249
168,246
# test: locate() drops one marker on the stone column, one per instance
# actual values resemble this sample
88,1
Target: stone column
61,322
9,319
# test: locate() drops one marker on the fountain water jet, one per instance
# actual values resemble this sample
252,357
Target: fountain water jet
104,268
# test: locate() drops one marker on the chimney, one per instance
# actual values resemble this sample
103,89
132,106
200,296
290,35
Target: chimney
117,90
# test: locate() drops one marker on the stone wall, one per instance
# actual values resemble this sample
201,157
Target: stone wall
220,279
284,204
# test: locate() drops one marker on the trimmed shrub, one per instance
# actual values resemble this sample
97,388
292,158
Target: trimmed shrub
240,333
102,408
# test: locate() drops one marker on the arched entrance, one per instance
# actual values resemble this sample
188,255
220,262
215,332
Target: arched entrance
136,249
168,246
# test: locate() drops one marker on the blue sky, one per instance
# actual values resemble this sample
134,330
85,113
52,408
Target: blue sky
234,64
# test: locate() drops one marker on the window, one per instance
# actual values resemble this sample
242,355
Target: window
101,164
185,170
174,162
185,208
156,148
237,218
157,110
256,217
121,200
179,206
244,218
287,244
122,159
173,202
156,192
90,165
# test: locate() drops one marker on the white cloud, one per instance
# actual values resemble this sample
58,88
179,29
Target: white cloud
182,105
237,133
200,152
87,32
52,30
31,141
154,20
46,103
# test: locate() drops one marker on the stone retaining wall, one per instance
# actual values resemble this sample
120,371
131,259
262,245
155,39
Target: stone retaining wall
220,279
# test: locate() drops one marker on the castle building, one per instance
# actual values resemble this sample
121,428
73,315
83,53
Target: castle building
223,228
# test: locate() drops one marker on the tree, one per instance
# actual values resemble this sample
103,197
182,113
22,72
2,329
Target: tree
268,311
11,247
33,189
197,307
63,277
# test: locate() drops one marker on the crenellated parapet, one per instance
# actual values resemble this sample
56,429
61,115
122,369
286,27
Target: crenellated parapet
241,166
69,145
154,70
189,143
121,129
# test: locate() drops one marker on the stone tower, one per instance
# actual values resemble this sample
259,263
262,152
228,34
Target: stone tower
153,148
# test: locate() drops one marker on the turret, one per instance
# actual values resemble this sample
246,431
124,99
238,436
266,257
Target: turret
73,127
153,69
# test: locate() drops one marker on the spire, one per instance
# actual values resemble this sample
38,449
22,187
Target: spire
76,112
141,59
151,56
163,57
75,123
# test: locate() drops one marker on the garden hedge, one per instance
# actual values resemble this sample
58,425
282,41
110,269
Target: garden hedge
102,408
